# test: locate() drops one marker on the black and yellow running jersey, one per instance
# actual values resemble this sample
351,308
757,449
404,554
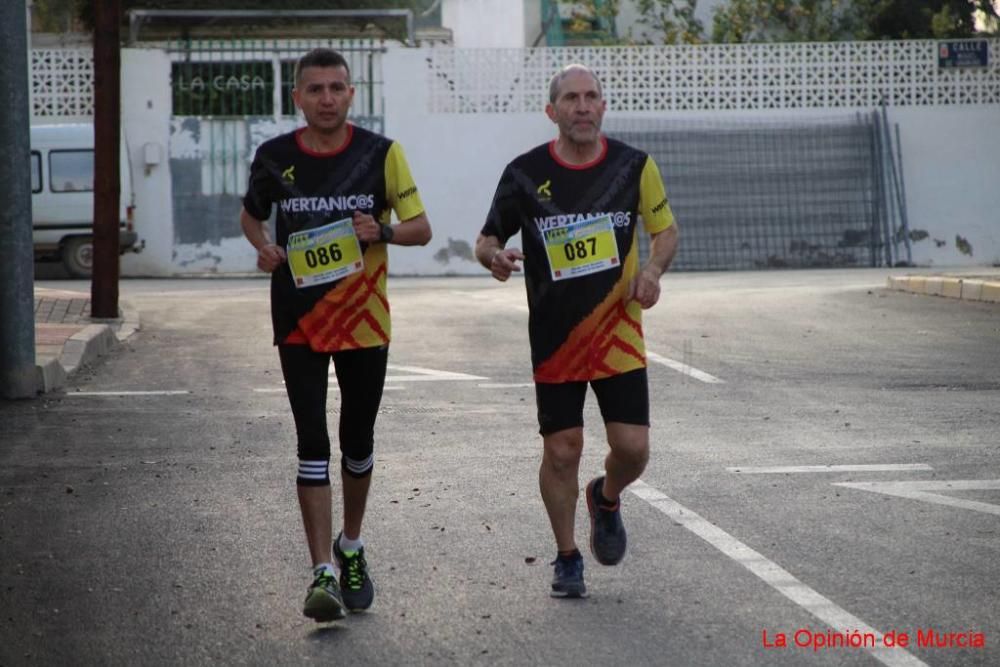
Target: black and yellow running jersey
577,224
368,174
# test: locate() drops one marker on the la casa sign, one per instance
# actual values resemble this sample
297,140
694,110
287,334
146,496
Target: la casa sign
223,83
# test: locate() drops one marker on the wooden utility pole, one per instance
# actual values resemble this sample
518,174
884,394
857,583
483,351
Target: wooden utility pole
107,180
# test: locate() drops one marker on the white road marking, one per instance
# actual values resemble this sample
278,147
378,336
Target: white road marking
919,490
686,369
164,392
773,575
860,467
281,390
505,385
444,375
419,374
430,378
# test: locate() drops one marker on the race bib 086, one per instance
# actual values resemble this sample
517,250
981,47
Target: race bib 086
581,248
324,254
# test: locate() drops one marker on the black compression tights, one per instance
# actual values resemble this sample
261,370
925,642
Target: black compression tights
360,376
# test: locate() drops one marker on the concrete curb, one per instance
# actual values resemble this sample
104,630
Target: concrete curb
955,287
87,346
51,375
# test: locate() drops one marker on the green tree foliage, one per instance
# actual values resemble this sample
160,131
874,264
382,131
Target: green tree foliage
783,21
54,15
834,20
673,19
670,21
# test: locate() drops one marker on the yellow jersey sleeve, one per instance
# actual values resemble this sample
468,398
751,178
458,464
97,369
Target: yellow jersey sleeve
653,205
400,189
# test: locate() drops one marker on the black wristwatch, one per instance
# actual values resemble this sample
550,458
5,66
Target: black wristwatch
386,233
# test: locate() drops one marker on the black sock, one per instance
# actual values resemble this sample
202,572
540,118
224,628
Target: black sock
573,554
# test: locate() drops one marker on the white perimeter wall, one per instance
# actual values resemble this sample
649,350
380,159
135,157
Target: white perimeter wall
951,165
146,122
456,160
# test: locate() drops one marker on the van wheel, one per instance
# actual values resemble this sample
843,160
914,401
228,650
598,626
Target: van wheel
78,256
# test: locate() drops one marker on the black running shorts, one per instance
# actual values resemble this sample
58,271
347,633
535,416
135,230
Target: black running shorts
622,398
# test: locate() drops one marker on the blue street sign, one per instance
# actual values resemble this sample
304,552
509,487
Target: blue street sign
965,53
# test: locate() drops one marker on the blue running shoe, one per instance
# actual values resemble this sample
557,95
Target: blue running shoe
567,581
607,532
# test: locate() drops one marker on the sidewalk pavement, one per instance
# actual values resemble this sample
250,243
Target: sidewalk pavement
66,337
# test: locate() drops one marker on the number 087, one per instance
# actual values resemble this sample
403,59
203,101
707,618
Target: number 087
579,249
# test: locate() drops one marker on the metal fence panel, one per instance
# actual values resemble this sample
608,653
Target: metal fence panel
767,194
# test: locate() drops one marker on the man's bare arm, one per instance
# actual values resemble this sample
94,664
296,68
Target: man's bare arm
269,255
663,247
499,260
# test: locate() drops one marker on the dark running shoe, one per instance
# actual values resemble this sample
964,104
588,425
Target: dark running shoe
607,532
355,584
567,581
323,601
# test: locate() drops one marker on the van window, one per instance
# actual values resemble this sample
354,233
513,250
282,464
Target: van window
71,171
36,172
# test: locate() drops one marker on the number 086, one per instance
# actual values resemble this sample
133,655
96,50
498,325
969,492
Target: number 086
323,255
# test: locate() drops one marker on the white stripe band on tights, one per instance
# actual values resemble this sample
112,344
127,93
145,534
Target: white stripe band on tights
359,467
314,470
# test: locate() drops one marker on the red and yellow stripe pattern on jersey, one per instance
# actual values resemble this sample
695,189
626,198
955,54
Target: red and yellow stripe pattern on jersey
352,315
607,342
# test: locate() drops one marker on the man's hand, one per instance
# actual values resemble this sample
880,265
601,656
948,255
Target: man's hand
366,229
504,262
645,287
270,257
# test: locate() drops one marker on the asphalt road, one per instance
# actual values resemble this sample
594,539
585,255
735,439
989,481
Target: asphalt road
161,528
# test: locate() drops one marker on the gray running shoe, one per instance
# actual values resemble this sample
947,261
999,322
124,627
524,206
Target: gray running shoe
323,601
607,532
567,581
355,584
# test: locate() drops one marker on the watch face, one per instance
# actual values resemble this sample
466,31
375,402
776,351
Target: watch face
386,233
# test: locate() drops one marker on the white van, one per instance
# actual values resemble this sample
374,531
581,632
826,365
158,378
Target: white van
62,196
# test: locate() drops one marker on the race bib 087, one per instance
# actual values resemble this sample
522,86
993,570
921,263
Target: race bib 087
581,248
324,254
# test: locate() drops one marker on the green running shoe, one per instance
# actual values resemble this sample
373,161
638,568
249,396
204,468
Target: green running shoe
323,600
355,584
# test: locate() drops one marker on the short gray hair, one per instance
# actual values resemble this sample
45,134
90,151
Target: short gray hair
566,71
